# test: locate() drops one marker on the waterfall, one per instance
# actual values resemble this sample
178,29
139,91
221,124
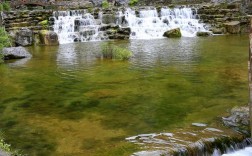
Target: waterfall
151,24
77,26
146,23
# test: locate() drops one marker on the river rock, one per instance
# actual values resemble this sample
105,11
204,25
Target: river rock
217,31
173,33
238,119
233,27
24,37
48,37
15,53
203,33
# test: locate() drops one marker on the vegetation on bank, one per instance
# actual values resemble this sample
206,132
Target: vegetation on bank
133,2
4,42
114,52
105,4
5,6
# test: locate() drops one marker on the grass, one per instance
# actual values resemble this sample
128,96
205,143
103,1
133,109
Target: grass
110,51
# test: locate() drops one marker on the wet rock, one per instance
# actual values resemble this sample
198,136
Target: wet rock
121,2
15,53
217,31
24,37
173,33
108,18
203,33
238,119
233,27
48,37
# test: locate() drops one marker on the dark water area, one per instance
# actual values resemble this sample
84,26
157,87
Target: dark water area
66,101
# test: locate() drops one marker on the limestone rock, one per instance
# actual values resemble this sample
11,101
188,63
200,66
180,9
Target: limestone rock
173,33
233,27
48,37
15,53
24,37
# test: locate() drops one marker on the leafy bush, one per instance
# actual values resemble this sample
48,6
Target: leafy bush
133,2
5,6
105,4
114,52
4,42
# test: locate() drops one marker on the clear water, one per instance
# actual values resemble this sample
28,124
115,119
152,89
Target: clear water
65,101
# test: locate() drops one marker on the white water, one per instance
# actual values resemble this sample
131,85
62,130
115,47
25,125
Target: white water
80,26
150,24
73,26
244,152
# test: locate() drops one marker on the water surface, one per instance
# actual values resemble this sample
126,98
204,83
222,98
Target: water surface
66,101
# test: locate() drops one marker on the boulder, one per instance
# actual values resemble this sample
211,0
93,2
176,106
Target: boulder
238,119
173,33
233,27
48,37
108,18
15,53
203,33
96,2
24,37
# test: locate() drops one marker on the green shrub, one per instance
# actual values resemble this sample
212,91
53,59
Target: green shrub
4,42
5,6
105,4
114,52
133,2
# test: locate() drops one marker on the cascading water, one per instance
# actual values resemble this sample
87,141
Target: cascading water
78,25
148,23
151,24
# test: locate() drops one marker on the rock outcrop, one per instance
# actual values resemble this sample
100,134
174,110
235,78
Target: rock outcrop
173,33
233,27
24,37
203,33
15,53
48,37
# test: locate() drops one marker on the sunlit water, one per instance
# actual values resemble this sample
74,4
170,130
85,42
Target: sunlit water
66,101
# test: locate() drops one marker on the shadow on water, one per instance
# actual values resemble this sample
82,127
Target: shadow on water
67,101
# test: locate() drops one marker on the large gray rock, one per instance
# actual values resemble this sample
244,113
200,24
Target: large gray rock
233,27
238,119
15,53
173,33
24,37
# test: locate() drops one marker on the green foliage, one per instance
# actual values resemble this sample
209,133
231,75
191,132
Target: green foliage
4,42
5,6
105,4
114,52
133,2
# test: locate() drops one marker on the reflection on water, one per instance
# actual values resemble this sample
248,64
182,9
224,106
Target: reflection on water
69,102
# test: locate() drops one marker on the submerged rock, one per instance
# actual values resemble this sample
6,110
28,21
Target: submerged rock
15,53
173,33
199,124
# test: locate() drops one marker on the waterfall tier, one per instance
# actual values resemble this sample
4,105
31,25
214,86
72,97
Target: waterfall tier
148,23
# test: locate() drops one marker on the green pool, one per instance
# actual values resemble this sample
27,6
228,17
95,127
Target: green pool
66,101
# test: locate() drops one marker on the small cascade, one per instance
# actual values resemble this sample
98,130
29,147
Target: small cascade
146,23
151,24
77,26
